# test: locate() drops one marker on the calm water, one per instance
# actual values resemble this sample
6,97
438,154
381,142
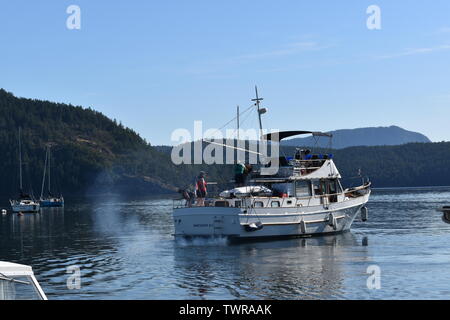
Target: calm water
125,250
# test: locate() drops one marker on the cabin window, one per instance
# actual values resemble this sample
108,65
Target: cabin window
258,204
302,189
318,188
334,188
282,189
275,204
222,204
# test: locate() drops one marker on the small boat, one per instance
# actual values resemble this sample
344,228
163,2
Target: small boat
25,203
445,213
303,198
49,200
17,282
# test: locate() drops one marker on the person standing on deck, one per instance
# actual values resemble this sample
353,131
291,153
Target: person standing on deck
200,189
239,171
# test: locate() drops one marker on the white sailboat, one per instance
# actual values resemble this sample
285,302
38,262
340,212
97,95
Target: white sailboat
304,198
25,203
49,200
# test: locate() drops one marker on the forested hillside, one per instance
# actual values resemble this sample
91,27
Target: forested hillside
409,165
91,153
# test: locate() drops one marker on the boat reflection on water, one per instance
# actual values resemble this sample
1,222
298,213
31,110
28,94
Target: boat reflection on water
26,224
304,268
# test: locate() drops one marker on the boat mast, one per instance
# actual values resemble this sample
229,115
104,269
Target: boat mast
237,123
260,111
45,168
20,161
49,168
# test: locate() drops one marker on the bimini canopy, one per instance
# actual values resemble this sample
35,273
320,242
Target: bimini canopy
278,136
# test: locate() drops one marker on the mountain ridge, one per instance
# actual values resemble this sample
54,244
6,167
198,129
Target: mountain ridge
366,136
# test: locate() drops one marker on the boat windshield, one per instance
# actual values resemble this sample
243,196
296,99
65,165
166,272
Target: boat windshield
18,288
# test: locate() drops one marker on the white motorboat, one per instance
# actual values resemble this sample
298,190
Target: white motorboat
17,282
306,199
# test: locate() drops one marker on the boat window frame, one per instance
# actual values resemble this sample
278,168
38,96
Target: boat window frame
275,201
259,202
309,186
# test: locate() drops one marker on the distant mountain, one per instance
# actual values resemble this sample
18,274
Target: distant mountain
379,136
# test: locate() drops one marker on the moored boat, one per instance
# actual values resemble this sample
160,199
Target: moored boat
25,203
49,200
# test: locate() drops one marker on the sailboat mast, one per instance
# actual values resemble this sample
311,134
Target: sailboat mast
20,160
45,169
237,122
49,157
258,101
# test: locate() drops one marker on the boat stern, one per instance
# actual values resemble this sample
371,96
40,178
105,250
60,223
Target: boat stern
206,221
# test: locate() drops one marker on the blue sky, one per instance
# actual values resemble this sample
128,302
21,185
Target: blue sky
160,65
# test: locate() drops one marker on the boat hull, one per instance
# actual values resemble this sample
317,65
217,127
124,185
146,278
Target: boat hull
25,208
238,223
51,204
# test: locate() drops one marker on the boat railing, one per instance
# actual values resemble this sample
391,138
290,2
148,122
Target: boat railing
178,203
358,191
294,168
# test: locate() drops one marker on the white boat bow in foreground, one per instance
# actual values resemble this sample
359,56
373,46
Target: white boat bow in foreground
17,282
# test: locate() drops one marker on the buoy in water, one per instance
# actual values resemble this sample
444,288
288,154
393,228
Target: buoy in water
364,214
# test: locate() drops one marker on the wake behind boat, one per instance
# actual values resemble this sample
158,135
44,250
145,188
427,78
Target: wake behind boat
304,198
